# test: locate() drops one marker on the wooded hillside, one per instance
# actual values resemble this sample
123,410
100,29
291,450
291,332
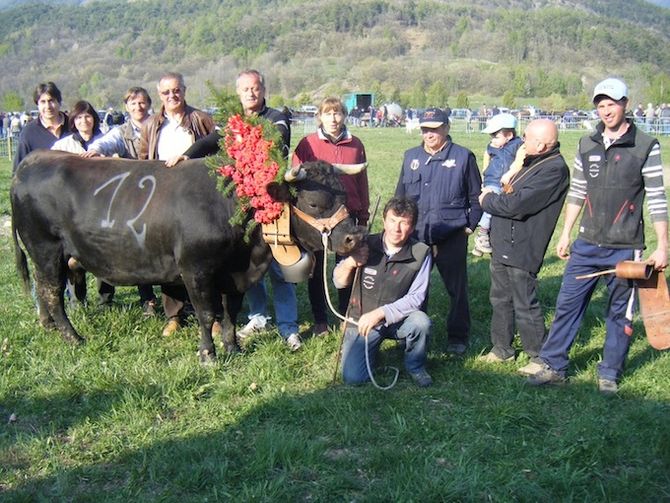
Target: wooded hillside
307,48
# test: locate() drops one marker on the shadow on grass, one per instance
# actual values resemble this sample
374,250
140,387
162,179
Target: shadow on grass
479,434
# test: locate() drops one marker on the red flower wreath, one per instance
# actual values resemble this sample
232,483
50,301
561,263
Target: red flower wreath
252,164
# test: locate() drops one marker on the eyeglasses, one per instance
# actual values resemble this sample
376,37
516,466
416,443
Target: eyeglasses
176,92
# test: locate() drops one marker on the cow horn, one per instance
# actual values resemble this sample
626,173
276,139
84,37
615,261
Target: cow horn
350,169
295,173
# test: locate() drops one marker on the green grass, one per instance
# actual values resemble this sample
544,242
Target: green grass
131,416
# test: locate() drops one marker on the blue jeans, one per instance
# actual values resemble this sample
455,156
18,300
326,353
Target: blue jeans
485,221
413,330
573,299
284,300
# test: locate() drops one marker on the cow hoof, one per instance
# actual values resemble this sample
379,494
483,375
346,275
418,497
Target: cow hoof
75,339
231,347
48,324
207,357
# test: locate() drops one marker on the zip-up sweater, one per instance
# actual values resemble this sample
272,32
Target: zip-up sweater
524,220
347,150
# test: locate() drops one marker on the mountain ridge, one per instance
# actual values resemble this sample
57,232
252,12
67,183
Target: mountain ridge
398,49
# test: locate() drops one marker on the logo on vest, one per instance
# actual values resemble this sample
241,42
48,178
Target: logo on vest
368,280
449,163
594,166
414,165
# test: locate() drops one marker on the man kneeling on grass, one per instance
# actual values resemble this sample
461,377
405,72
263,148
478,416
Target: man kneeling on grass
388,295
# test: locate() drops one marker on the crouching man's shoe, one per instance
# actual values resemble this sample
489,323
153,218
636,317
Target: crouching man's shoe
172,326
421,378
607,386
546,375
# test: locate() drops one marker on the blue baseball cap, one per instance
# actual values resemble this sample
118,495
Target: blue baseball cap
433,117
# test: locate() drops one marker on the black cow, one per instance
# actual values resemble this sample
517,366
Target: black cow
130,222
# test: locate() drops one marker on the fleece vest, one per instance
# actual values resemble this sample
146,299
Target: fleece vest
384,279
612,214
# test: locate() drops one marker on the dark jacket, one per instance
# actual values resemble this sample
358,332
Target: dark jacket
34,135
524,220
209,145
446,188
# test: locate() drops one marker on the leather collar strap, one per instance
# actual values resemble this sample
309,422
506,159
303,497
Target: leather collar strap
323,225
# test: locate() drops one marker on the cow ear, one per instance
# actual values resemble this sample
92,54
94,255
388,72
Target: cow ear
279,192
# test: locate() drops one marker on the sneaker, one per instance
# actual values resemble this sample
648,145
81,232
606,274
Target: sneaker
546,375
421,378
293,342
491,357
530,369
482,243
256,323
607,386
149,308
320,329
457,348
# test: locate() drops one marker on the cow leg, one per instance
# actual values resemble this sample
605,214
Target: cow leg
207,305
233,303
46,319
52,308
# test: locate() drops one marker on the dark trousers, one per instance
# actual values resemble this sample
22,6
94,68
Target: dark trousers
317,294
513,297
106,292
450,257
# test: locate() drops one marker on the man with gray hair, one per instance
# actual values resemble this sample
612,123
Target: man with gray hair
164,135
250,88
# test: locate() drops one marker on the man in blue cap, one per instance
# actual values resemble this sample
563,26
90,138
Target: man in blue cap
616,168
444,180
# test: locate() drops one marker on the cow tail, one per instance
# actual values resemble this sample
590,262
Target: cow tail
20,259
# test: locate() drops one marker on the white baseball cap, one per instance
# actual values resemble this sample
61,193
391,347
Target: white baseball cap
498,122
612,88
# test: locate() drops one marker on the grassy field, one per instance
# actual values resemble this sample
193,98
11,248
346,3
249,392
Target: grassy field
131,416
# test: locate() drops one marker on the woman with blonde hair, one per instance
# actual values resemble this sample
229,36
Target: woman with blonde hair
332,142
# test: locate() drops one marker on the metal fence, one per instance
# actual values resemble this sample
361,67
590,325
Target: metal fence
304,125
7,147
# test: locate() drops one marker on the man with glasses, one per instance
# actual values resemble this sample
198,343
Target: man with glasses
444,180
164,135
